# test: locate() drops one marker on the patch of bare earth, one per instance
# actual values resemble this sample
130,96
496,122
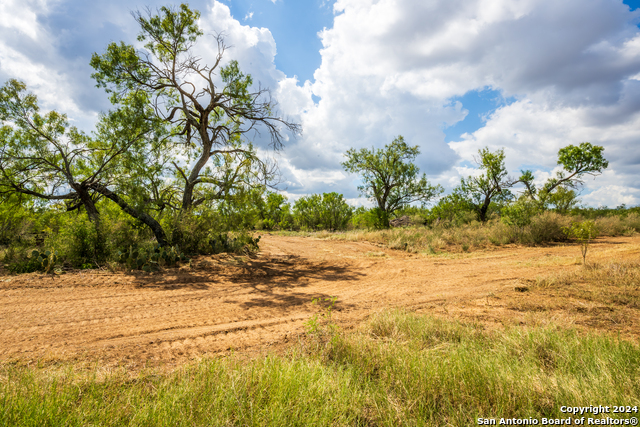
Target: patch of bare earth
223,304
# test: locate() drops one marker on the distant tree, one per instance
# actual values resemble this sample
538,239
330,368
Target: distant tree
492,185
275,212
454,208
390,178
562,199
576,161
328,211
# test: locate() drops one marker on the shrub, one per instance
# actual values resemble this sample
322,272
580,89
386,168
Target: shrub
238,243
546,227
328,211
584,232
151,259
518,215
276,213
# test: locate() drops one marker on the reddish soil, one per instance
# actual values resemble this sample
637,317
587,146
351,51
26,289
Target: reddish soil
225,303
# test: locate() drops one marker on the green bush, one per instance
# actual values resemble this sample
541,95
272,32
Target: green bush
519,214
77,240
191,232
238,243
328,211
370,219
275,213
151,259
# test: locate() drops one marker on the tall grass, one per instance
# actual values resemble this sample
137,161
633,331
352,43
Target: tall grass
615,283
398,369
544,228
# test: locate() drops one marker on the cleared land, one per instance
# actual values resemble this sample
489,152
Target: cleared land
224,303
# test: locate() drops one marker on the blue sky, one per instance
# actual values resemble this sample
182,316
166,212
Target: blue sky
451,76
294,25
633,4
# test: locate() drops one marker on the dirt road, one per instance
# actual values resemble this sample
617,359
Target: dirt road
225,303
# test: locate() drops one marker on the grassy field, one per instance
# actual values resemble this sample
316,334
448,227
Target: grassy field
397,369
544,228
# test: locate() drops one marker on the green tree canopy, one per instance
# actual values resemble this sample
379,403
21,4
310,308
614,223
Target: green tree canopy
389,176
327,211
492,185
576,162
42,156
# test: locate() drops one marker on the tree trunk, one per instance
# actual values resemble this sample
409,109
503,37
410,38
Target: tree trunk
94,217
89,205
483,209
147,219
187,197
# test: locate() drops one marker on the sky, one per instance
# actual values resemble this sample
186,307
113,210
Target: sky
451,76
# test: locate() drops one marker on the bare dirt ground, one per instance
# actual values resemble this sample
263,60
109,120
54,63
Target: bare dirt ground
225,303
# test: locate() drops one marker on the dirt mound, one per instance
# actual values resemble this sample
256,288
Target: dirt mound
227,303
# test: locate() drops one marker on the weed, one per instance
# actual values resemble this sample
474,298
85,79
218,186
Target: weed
584,232
322,324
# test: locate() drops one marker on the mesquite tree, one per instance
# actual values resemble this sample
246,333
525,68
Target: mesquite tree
211,108
390,178
492,185
43,157
576,162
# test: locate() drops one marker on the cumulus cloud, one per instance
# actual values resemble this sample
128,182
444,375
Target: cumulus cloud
392,66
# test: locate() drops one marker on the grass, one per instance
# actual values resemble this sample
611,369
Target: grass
544,228
614,284
599,296
399,368
463,238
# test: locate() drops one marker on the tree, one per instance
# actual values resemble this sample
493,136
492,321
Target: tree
562,199
452,209
328,211
584,232
41,156
492,185
576,161
275,212
390,178
210,108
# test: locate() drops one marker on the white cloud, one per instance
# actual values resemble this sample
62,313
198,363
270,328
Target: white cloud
21,17
612,196
391,66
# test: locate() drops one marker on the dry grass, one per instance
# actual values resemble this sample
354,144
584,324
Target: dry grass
615,283
603,297
544,228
